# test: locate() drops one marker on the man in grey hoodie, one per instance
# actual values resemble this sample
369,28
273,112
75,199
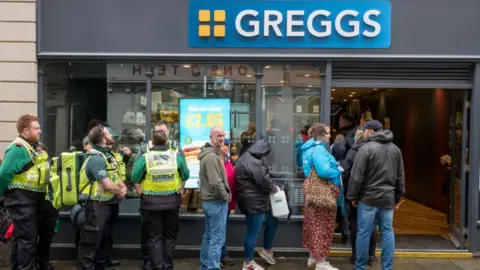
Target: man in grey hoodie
215,194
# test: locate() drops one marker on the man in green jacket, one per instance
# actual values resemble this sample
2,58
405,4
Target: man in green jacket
23,182
159,177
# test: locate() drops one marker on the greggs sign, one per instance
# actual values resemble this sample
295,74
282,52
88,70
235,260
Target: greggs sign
289,24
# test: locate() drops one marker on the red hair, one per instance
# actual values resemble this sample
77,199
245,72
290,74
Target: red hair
24,122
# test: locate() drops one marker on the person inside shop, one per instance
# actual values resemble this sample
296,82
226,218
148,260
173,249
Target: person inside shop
253,187
347,128
100,182
215,194
103,257
159,177
174,146
366,116
319,220
247,138
47,225
23,183
229,171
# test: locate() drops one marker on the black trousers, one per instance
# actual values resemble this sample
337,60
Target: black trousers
161,231
24,245
104,251
97,215
143,240
353,234
46,230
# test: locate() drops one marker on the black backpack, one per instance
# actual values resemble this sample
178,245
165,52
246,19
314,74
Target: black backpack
6,225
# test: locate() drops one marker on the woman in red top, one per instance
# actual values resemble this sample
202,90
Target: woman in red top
225,153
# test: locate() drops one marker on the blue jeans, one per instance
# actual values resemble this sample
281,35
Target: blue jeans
224,248
214,236
366,217
254,224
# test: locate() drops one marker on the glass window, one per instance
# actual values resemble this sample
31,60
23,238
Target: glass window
75,93
291,103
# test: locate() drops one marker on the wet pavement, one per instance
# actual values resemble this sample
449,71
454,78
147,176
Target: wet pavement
295,263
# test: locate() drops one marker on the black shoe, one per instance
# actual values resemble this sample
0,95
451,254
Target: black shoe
146,266
352,259
113,263
372,259
346,242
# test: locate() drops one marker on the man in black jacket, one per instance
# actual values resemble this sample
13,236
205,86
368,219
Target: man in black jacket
376,185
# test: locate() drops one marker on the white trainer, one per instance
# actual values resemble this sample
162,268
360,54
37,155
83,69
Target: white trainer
267,257
252,266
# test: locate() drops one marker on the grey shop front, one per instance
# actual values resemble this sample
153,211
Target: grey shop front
283,65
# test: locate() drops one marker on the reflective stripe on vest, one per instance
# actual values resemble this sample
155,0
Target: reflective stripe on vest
162,177
35,178
94,190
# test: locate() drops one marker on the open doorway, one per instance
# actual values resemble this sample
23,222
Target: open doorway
427,124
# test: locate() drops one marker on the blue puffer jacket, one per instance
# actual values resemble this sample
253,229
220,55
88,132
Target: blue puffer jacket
315,153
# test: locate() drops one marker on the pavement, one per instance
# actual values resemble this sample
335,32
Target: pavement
295,263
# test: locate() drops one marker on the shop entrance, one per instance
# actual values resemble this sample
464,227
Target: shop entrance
431,128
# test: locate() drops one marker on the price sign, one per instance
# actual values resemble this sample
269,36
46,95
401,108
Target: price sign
197,117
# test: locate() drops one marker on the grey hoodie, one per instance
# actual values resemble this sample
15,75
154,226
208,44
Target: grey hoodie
213,180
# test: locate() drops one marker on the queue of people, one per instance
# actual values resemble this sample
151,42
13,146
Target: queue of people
362,182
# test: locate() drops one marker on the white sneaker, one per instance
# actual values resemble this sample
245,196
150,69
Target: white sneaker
252,266
325,266
311,262
267,257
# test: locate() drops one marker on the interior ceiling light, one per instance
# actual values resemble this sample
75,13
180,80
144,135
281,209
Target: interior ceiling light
345,100
331,98
267,66
375,89
186,65
353,93
350,95
248,75
282,81
307,75
333,89
309,85
307,89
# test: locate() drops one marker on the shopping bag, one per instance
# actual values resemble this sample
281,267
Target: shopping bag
279,204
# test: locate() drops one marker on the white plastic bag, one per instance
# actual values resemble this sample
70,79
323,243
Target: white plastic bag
279,204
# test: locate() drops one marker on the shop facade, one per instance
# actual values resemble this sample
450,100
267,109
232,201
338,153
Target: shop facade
128,63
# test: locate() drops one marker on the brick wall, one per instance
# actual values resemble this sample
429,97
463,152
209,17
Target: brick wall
18,65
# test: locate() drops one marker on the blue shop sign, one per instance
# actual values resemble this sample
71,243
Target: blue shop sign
289,24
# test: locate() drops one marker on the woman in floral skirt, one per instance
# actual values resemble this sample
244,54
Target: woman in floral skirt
319,224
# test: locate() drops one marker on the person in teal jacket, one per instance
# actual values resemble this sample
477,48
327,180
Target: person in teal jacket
319,224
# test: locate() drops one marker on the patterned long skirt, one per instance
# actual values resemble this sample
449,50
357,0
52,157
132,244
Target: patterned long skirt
318,229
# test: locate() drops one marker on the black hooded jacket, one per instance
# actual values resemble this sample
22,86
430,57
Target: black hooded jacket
347,163
377,177
254,183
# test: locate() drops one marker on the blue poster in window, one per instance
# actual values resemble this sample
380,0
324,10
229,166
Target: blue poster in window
197,117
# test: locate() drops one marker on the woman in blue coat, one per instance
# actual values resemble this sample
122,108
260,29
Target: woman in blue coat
319,224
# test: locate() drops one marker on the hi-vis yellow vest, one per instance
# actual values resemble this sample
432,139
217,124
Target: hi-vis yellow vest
94,190
162,177
35,179
122,168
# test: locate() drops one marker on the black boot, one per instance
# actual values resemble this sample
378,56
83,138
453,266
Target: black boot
146,266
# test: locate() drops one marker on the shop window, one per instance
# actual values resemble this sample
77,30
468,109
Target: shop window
172,82
291,103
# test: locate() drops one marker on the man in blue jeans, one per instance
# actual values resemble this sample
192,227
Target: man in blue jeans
215,194
376,186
